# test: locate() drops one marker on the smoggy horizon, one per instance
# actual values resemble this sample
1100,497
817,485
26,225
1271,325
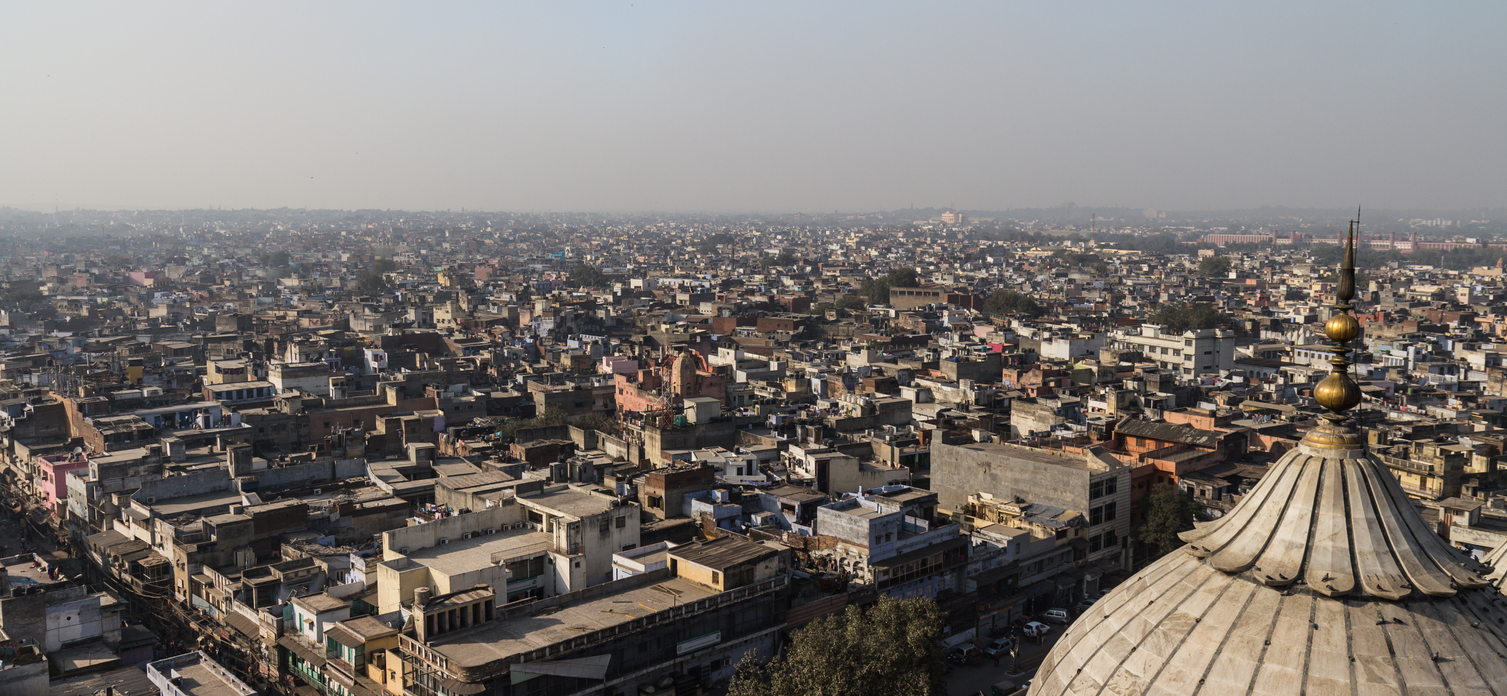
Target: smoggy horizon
776,108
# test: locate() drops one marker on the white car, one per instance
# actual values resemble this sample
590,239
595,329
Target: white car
1036,629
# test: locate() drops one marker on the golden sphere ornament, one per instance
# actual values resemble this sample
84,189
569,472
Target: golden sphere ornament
1342,328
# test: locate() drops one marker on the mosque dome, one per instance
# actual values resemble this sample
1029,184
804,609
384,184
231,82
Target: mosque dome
1323,580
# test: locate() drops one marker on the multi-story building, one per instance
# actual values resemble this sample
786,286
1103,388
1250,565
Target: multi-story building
1189,354
672,628
1094,483
892,538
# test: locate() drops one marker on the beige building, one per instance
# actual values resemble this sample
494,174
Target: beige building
558,540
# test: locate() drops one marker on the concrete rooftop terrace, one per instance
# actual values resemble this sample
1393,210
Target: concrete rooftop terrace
464,555
507,637
1071,461
569,501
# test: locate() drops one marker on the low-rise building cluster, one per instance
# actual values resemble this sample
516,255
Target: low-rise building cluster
450,456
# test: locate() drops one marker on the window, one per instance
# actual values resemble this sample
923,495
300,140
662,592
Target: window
622,522
716,577
1094,543
605,525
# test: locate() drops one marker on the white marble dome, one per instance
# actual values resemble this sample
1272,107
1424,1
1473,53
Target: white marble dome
1323,580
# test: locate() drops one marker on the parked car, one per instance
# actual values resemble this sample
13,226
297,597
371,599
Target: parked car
1036,629
963,655
999,648
1057,616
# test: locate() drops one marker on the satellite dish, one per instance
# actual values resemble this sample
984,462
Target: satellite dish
78,450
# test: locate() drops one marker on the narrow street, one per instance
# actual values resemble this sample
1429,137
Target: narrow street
969,680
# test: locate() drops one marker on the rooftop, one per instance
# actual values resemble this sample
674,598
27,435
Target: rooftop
570,501
198,676
464,555
722,552
506,637
1032,454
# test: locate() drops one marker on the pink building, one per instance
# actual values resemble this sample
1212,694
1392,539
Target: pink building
52,478
665,382
619,365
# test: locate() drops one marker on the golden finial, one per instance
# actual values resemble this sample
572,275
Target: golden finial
1338,392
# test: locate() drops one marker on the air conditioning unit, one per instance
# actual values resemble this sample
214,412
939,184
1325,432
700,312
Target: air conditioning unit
151,500
403,550
444,541
467,535
317,491
491,531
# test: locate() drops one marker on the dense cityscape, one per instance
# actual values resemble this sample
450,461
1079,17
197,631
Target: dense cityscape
434,454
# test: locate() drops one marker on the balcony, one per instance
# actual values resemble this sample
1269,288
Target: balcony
1409,465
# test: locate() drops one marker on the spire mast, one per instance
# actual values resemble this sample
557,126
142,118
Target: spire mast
1338,392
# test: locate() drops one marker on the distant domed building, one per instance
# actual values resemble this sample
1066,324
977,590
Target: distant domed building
1323,580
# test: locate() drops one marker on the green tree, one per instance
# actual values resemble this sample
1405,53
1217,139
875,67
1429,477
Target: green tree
784,258
371,283
1214,266
716,241
851,303
273,258
551,417
21,298
587,276
889,649
381,265
1012,302
878,289
1191,316
1165,512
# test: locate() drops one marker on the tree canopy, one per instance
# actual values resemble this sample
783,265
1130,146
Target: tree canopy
878,289
1012,302
889,649
851,303
371,283
715,241
550,417
587,276
1214,266
1165,512
784,258
1190,316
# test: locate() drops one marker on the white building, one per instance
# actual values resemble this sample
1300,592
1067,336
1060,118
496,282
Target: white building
1190,354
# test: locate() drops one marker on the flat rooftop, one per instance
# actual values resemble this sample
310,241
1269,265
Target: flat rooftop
465,555
503,638
194,503
1031,454
200,676
570,501
722,552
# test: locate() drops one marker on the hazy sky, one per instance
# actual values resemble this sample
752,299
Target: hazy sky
753,106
